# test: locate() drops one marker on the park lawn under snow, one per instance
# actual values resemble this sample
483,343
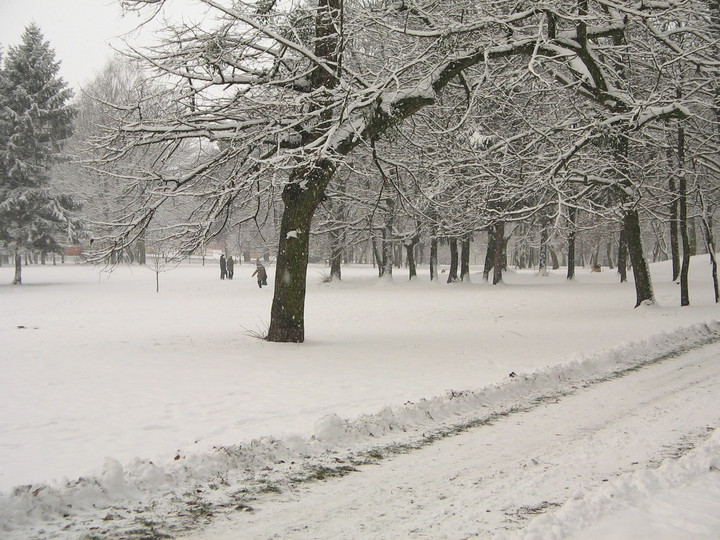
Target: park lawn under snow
98,365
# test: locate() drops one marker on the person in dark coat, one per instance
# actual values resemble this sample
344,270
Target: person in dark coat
230,267
261,274
223,267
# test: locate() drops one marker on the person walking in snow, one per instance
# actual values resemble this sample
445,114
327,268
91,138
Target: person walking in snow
261,274
230,267
223,267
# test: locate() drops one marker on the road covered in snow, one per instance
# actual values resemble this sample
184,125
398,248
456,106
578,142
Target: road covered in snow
575,464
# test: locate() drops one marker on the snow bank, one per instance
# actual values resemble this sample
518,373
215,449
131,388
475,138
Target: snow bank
224,475
607,511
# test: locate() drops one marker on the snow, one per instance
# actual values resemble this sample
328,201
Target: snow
679,499
114,395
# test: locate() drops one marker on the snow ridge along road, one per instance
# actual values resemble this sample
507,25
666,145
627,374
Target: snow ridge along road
563,449
572,428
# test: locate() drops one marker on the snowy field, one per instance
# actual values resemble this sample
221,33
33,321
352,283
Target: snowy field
116,399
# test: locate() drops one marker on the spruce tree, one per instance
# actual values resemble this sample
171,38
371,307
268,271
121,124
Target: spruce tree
35,120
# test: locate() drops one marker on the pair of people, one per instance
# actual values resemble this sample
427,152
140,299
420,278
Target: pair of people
227,267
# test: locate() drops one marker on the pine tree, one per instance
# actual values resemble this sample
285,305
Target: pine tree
35,119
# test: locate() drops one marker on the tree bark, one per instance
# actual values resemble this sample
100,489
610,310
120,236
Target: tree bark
377,257
17,280
387,253
542,253
674,244
287,315
553,258
410,250
433,258
453,272
499,254
609,255
490,254
141,250
643,284
683,222
710,243
465,259
335,256
622,255
572,235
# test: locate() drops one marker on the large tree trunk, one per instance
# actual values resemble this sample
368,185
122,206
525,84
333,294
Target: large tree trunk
572,217
453,272
287,315
17,280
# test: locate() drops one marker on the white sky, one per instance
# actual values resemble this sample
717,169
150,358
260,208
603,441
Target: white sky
80,31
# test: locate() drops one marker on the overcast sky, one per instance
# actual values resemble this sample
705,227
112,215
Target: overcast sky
80,31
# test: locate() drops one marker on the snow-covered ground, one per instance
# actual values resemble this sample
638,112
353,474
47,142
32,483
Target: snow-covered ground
121,405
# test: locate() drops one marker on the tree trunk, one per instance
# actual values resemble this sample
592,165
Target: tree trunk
641,272
490,254
387,253
141,250
335,256
674,244
18,269
387,238
683,221
287,315
710,243
622,255
542,255
434,258
465,259
499,254
453,272
553,258
410,250
572,217
377,257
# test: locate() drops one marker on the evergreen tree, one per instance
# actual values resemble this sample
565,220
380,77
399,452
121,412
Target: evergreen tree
35,119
